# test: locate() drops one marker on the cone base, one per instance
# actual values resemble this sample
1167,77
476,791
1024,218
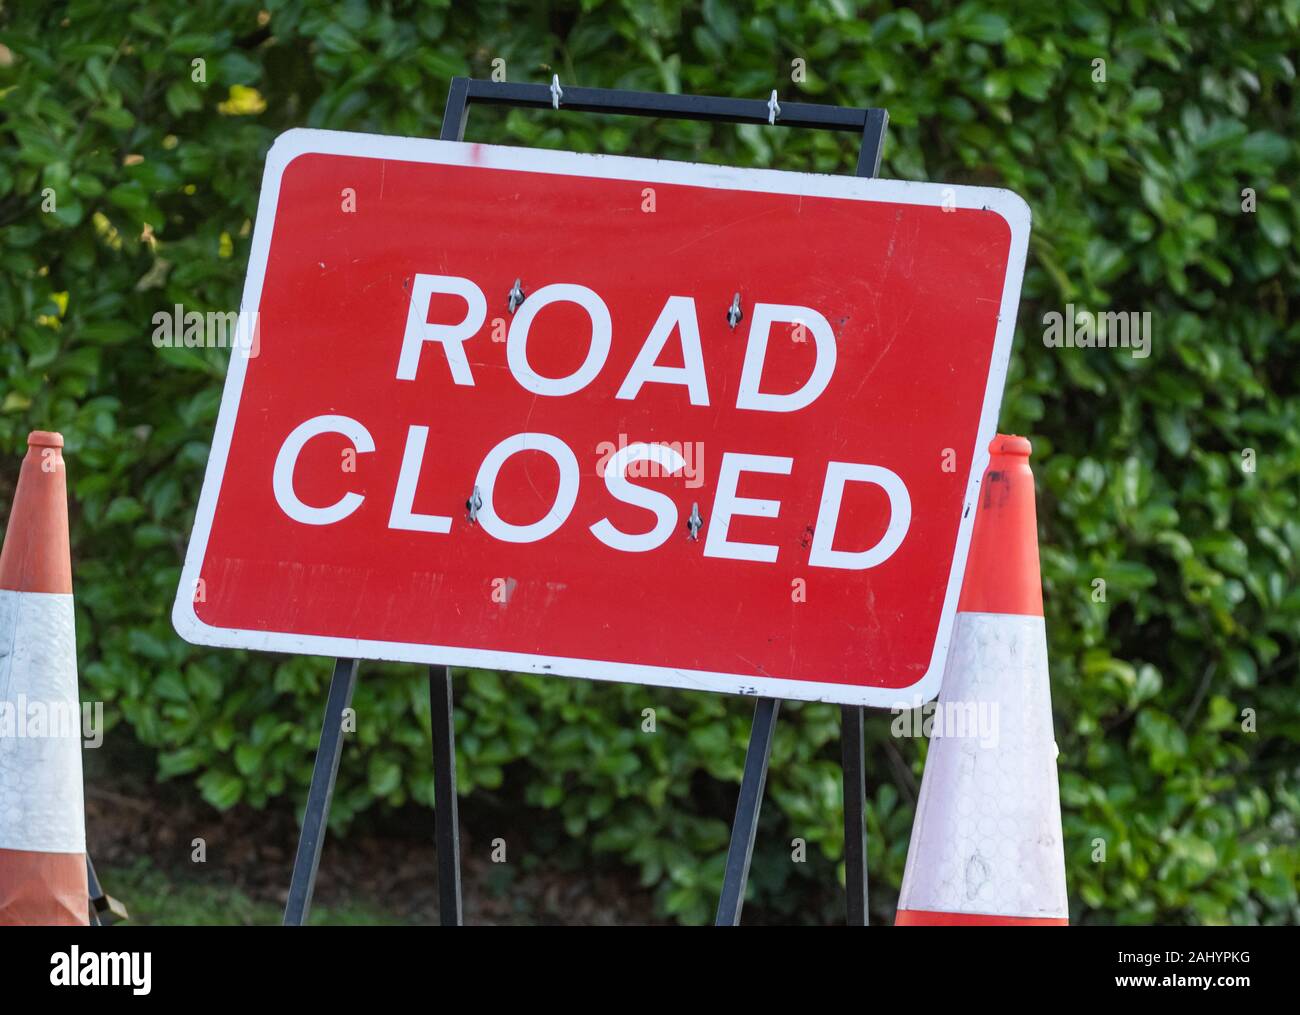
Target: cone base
923,918
43,889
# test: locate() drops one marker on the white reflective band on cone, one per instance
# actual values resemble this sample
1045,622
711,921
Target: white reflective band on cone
40,762
987,834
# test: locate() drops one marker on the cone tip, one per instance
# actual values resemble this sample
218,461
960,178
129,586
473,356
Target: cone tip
34,554
1011,444
1002,568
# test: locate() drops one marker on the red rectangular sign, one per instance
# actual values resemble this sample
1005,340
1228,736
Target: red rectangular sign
615,418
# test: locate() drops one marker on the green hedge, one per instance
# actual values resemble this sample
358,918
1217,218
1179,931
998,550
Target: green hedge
1136,184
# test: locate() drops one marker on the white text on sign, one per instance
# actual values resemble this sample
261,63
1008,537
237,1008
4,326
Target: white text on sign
677,316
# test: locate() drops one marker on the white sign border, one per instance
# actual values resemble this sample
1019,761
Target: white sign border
291,144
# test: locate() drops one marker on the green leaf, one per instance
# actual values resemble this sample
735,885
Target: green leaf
221,789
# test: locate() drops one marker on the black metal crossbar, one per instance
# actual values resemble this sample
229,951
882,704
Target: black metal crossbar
870,123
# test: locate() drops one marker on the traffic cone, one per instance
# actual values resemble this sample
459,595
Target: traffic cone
42,817
986,843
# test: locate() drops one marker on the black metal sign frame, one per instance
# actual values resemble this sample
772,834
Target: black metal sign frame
870,124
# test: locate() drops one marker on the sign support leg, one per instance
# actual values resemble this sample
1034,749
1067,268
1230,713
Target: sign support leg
104,909
326,770
745,827
855,801
446,819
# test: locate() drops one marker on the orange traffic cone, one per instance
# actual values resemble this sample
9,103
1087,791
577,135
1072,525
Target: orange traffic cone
42,817
986,843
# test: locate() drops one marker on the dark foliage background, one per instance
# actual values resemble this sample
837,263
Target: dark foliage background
1136,184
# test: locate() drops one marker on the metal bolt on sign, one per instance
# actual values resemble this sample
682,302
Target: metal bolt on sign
734,314
773,109
516,297
474,505
694,523
557,93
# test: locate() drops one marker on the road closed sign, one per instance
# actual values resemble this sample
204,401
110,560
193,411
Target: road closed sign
613,418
